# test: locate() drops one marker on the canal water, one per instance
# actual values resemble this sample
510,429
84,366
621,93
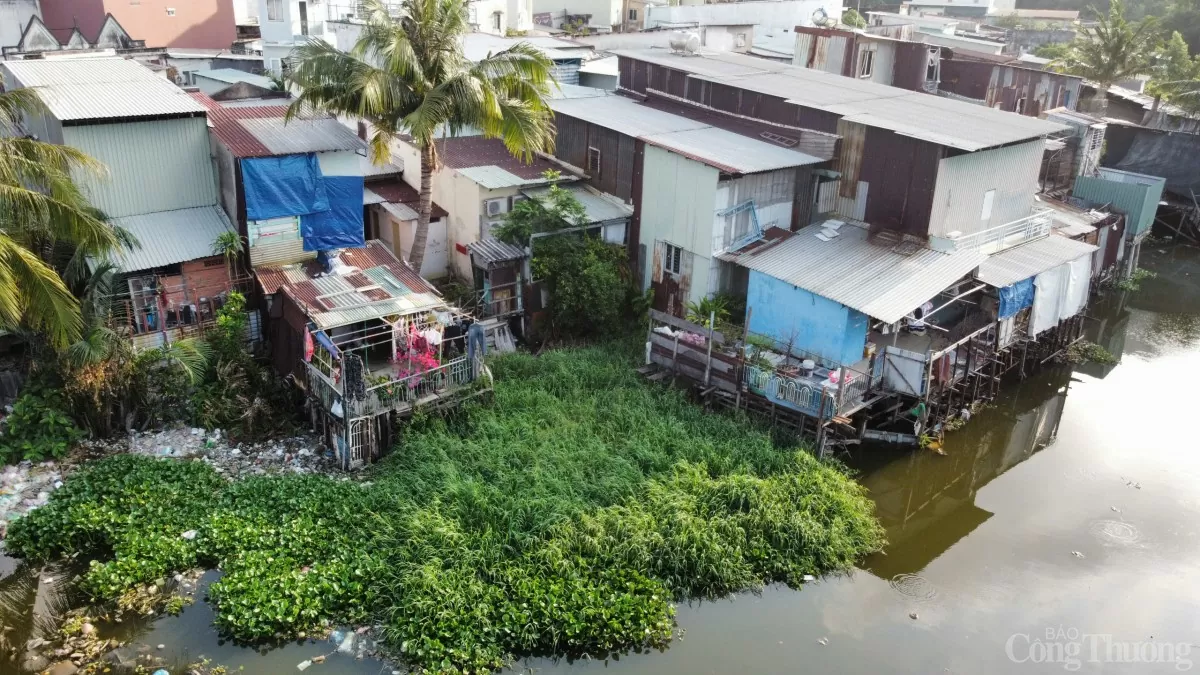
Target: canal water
1060,531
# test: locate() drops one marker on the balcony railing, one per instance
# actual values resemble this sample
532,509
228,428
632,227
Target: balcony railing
400,393
1006,236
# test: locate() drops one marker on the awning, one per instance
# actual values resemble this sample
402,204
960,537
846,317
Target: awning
491,251
169,237
882,280
1031,259
598,206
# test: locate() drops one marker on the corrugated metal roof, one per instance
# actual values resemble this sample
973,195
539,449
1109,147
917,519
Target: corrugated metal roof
490,251
396,192
494,177
1028,260
235,137
852,270
402,212
101,88
381,286
370,197
500,168
302,135
1069,220
932,118
170,237
477,46
716,147
234,76
598,206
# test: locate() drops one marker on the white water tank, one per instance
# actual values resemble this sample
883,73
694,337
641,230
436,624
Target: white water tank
684,42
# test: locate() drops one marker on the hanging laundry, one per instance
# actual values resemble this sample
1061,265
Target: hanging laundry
354,384
309,347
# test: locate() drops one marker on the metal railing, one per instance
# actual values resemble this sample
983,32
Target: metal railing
1008,235
400,393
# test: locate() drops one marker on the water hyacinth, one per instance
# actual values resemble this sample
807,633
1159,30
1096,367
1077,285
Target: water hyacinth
563,517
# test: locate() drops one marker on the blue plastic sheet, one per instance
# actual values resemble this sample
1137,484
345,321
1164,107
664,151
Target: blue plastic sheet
284,186
1016,297
342,225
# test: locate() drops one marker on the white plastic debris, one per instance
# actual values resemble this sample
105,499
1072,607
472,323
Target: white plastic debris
303,665
189,535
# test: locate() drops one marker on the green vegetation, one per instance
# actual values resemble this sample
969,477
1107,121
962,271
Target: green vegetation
1134,281
37,429
562,518
853,19
587,279
1089,352
1114,49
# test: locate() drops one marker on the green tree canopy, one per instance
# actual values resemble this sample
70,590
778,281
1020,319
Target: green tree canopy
43,211
408,75
1112,50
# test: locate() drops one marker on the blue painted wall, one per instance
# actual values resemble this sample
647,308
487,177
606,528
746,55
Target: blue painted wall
810,322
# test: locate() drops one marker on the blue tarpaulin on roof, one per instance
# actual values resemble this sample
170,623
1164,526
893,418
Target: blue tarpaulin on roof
1016,297
284,186
342,225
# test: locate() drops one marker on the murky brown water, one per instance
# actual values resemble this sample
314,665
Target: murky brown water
1061,531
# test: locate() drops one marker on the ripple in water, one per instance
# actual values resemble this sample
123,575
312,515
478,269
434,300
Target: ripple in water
1116,532
913,586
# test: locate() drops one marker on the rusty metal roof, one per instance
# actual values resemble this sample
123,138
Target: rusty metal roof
380,286
930,118
224,124
396,191
465,153
876,279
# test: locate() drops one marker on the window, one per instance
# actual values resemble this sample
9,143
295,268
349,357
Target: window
672,257
170,11
1021,106
496,18
988,198
274,10
303,7
934,65
866,63
741,39
633,15
593,162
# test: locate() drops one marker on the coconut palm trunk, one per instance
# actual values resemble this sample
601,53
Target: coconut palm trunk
416,256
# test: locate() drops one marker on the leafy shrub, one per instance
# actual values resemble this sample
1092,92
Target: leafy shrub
565,518
38,428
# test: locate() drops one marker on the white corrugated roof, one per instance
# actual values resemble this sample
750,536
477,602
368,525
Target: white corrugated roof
302,135
850,269
600,207
700,141
932,118
495,178
233,76
101,88
1031,259
169,237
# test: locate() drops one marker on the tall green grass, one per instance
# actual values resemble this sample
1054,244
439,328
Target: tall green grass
564,517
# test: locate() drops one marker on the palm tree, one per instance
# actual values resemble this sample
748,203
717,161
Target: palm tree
229,244
42,210
408,75
1114,49
1173,76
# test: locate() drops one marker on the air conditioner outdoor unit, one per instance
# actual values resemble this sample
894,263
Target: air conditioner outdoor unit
517,199
495,207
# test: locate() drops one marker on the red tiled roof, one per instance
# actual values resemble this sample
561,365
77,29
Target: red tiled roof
396,191
464,152
233,135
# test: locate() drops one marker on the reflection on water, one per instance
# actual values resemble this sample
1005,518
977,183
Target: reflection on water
1071,505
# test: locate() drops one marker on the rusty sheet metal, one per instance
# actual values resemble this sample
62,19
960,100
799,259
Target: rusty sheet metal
849,160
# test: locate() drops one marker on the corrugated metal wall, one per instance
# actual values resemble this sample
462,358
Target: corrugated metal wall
1138,202
566,72
152,166
276,242
772,193
574,137
964,180
901,173
885,60
678,196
